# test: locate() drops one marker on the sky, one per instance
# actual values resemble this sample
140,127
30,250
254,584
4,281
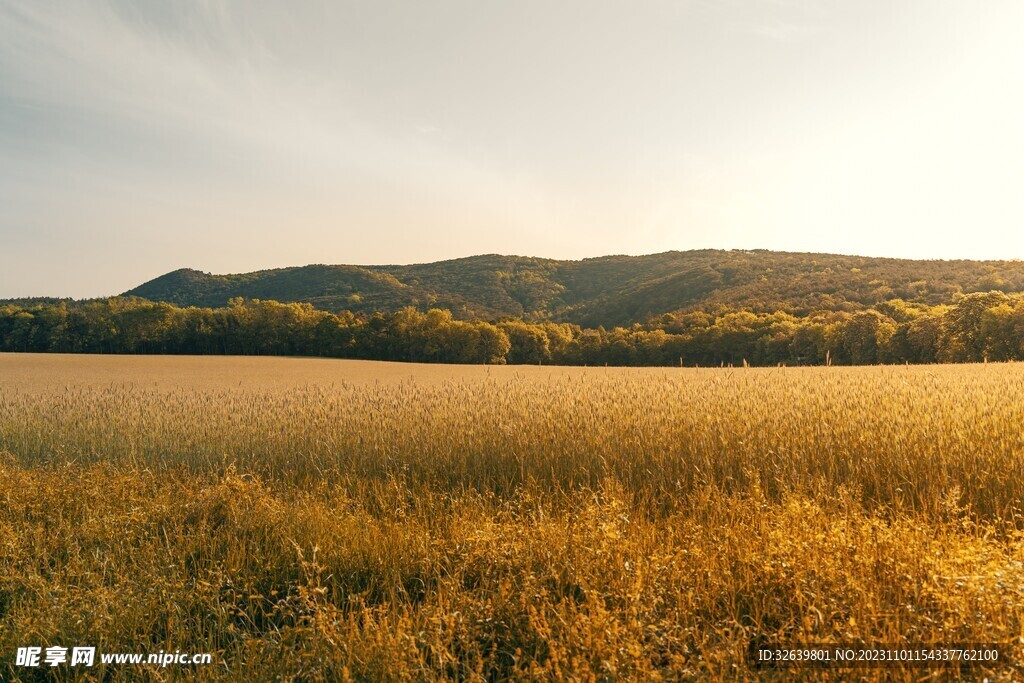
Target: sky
228,136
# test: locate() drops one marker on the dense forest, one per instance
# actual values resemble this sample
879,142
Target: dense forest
704,307
971,327
611,291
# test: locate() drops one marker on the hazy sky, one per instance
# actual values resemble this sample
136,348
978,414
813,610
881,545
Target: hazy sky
140,137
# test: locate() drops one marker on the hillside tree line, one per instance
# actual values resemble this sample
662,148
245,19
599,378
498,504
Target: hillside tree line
973,327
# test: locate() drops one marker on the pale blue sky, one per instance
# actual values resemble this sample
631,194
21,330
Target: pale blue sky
140,137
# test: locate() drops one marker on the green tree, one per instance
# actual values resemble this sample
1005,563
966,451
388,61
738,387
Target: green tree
965,323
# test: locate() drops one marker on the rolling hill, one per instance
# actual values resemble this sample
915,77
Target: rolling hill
610,290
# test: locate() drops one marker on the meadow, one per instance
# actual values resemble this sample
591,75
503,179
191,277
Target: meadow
323,520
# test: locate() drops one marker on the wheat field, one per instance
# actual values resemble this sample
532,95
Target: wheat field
340,520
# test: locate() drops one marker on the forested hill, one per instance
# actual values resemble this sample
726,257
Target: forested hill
608,291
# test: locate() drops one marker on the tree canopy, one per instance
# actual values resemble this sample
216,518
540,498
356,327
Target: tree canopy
972,327
611,291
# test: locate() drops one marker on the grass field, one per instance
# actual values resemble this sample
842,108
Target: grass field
333,520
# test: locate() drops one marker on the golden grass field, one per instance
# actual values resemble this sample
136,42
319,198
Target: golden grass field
330,520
